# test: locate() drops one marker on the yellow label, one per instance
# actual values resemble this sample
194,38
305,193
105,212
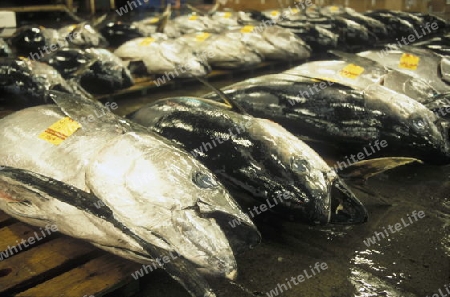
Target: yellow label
202,37
60,131
275,13
153,20
193,18
147,41
247,29
227,15
72,27
351,71
334,8
409,61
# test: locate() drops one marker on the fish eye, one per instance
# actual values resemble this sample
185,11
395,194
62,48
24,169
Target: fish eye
419,125
204,181
299,165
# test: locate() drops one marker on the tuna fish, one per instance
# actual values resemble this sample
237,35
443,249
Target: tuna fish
225,51
85,36
437,44
396,26
117,33
256,157
26,82
342,117
159,192
98,71
5,50
162,56
273,43
318,38
359,72
36,41
416,62
375,27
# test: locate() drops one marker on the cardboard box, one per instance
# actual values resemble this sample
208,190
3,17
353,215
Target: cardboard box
7,19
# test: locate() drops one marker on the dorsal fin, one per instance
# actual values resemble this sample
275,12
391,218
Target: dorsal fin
233,104
164,19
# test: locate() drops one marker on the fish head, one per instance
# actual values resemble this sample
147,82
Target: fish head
29,38
171,200
445,69
410,127
307,188
68,60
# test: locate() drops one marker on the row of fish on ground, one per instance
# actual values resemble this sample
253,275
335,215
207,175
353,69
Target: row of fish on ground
159,199
186,175
400,95
104,56
175,174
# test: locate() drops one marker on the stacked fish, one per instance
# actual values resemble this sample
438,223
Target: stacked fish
177,176
399,95
191,45
159,199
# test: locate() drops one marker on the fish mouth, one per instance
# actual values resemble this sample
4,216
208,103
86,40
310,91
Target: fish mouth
444,127
346,209
240,234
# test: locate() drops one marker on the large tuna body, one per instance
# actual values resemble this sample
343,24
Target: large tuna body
160,193
343,117
257,157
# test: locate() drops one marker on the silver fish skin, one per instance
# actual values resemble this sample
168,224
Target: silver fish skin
42,201
273,42
427,68
170,204
27,81
162,56
225,51
370,72
263,160
344,117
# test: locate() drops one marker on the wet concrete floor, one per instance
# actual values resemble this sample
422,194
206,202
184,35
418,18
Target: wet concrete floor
414,261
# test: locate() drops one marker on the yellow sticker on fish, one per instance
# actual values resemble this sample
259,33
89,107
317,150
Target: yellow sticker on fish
153,20
334,8
275,13
351,71
147,41
227,15
202,37
193,17
60,131
247,29
408,61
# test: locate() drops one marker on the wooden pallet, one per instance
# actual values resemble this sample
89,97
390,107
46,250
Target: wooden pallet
60,266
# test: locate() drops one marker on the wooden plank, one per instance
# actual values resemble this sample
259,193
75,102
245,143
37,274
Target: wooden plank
97,277
11,235
31,267
57,7
4,217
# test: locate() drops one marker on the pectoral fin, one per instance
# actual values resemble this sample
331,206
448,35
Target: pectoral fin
363,170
